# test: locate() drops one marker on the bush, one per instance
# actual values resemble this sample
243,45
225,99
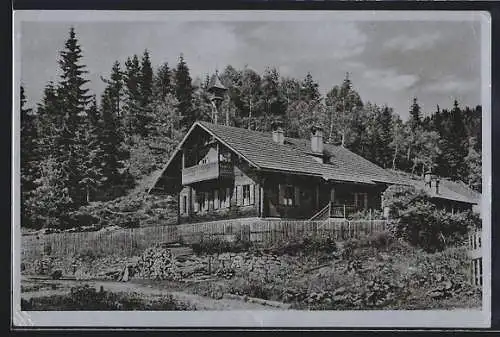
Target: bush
416,219
88,298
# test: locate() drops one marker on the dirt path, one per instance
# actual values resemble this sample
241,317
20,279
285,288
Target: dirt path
200,302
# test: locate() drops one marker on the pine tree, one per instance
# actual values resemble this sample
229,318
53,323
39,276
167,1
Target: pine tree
29,159
184,94
384,122
310,89
474,168
49,120
113,153
163,82
142,117
133,98
146,83
415,128
458,144
51,201
93,167
70,141
415,115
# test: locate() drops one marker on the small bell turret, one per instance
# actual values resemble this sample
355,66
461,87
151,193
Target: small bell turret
217,91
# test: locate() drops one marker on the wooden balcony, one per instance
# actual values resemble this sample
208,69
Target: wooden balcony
209,171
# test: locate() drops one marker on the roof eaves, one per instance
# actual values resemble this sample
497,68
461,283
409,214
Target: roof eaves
177,149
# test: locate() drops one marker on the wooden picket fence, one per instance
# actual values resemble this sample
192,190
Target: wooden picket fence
476,258
128,242
125,242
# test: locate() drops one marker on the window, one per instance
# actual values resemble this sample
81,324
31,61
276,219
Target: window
361,200
202,202
184,204
246,194
287,195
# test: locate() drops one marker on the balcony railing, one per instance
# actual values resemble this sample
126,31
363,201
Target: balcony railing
342,211
207,171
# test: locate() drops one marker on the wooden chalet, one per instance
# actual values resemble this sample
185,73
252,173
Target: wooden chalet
221,172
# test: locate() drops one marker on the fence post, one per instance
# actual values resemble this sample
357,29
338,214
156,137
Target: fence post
344,212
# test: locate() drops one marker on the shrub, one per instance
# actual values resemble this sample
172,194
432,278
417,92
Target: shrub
88,298
416,219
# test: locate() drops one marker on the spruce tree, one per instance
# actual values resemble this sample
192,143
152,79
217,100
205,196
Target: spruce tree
133,96
163,82
415,115
74,99
309,89
113,153
29,159
385,126
49,120
94,166
184,94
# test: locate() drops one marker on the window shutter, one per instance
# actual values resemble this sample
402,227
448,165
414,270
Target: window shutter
281,194
297,196
181,204
228,197
252,194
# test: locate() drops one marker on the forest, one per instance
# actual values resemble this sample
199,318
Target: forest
77,148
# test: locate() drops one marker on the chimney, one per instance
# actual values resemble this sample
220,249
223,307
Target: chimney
278,133
428,178
317,140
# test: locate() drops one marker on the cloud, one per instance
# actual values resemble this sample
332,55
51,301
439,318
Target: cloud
307,41
451,85
390,79
408,43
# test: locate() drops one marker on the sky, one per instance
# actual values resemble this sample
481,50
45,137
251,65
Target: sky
389,62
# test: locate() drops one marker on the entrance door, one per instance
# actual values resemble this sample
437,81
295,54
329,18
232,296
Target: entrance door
270,202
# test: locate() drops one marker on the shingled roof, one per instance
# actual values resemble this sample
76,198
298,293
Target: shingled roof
450,190
294,156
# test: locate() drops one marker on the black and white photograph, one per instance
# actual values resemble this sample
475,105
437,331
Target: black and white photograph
243,168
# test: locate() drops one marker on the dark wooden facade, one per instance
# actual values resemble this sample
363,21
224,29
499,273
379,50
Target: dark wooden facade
214,183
